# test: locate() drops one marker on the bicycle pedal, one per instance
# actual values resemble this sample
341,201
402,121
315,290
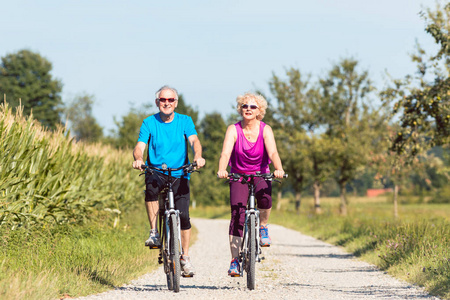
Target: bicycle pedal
187,276
154,247
235,275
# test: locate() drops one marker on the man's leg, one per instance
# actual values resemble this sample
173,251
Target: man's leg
152,207
185,239
152,211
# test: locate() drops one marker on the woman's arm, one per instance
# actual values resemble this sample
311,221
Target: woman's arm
271,147
228,144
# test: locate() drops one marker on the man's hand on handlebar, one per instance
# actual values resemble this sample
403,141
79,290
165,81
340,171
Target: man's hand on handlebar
137,164
200,162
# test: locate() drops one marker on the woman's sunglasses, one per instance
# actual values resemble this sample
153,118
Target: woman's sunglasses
164,100
246,106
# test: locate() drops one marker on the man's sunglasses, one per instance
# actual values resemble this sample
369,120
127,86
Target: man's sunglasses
171,100
246,106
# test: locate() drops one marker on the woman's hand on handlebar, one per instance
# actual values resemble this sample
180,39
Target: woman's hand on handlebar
222,174
278,173
137,164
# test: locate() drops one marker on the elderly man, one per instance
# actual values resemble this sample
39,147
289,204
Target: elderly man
166,133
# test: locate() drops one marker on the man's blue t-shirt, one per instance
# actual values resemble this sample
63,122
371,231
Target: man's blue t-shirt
167,141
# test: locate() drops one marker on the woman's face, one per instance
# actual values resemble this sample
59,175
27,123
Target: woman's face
249,110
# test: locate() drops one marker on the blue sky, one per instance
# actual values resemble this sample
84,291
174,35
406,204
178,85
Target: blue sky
211,51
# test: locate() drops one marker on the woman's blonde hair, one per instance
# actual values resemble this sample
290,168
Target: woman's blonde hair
260,101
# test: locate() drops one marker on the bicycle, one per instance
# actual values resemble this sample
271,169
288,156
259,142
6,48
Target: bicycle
250,249
169,225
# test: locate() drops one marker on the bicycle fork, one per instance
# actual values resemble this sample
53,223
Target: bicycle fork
245,242
167,215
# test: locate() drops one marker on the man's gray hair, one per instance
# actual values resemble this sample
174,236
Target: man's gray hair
166,87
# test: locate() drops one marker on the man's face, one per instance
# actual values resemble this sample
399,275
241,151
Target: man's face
165,105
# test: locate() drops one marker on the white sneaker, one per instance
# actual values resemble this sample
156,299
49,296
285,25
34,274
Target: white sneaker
186,266
153,240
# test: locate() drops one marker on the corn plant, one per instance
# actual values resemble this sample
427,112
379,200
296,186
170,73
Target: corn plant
46,177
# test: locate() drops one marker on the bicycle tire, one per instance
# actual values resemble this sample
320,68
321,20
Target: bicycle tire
169,274
251,272
175,253
165,253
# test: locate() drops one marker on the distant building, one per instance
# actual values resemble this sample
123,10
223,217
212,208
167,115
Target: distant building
377,192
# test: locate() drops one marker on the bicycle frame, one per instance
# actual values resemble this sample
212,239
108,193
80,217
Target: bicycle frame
250,249
170,252
170,210
251,210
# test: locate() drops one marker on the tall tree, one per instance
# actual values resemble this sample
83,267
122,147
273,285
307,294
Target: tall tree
186,109
294,117
207,189
83,123
346,113
25,78
127,132
423,99
321,152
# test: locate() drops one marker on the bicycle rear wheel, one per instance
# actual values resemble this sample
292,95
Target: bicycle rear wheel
174,255
251,258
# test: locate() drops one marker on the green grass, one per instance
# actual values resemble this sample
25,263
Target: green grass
415,247
73,261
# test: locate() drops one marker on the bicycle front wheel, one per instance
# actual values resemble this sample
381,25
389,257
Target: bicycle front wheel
251,272
175,267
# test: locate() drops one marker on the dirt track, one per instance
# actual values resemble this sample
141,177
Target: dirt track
295,267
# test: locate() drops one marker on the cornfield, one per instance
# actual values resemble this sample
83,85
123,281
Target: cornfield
46,177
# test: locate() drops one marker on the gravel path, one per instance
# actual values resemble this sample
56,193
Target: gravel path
296,266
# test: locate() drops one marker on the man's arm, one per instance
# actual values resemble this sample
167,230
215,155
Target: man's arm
138,154
197,149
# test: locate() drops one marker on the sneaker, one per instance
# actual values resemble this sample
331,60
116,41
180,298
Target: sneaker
186,267
153,240
234,270
264,239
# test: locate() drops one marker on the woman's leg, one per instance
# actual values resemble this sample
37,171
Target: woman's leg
238,203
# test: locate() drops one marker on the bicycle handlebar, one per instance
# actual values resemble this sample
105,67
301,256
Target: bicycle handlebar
267,176
188,168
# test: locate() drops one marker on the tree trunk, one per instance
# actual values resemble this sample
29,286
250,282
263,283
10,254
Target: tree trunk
298,199
279,199
317,208
396,201
343,206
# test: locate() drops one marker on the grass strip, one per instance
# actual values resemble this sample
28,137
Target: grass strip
66,261
415,248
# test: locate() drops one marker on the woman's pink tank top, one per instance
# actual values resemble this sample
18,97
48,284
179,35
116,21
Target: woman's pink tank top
248,157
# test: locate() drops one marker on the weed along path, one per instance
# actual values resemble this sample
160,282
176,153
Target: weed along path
295,267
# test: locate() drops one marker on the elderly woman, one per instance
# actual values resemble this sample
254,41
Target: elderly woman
249,146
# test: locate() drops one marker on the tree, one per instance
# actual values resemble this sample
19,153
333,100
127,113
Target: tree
348,118
26,79
321,152
127,132
186,109
207,189
295,116
423,99
82,122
